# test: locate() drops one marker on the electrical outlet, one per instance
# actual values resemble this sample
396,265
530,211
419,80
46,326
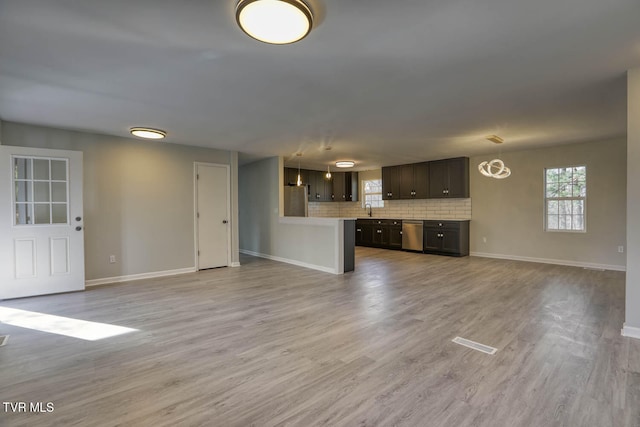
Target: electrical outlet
484,240
112,259
621,249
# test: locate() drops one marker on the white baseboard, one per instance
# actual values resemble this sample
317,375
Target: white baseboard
290,261
630,331
551,261
235,264
140,276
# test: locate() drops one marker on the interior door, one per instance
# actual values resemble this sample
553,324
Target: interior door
212,215
41,222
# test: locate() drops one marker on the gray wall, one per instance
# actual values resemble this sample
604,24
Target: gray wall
259,185
138,197
633,199
509,212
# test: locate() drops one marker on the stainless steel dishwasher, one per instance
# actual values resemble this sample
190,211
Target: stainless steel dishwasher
412,232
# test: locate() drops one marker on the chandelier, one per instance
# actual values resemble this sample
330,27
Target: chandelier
494,168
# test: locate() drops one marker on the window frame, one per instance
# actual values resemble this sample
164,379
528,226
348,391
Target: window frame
546,199
364,193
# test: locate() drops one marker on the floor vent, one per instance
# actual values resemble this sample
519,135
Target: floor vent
474,345
3,339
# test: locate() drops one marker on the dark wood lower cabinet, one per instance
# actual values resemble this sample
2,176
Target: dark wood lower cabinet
395,237
440,237
446,237
364,234
379,233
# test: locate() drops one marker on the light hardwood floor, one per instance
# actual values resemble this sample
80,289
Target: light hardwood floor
271,344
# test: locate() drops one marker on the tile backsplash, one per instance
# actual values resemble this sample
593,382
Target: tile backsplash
401,209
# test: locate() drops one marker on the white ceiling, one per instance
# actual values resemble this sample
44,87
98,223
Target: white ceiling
383,82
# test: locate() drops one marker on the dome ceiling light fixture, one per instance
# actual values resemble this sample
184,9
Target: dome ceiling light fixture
148,133
345,164
274,21
494,168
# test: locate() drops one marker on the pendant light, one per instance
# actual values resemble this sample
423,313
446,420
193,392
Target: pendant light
299,180
328,174
494,168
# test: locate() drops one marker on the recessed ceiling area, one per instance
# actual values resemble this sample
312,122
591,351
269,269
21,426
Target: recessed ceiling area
380,82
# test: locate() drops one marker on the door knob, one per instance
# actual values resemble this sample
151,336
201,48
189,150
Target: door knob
224,221
78,218
78,228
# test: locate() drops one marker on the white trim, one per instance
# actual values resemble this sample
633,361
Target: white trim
552,261
195,211
235,264
630,331
140,276
290,261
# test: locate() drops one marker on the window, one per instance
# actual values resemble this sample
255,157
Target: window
565,198
372,190
40,190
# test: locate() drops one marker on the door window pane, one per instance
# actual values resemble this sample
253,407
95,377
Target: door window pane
59,170
23,191
42,213
22,168
59,213
41,191
41,169
24,213
59,192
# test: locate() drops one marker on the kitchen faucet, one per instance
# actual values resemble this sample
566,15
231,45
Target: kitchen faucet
365,206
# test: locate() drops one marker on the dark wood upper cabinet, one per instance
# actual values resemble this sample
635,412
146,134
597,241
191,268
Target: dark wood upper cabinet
351,182
420,185
405,173
320,188
341,187
449,178
405,181
391,183
338,193
345,186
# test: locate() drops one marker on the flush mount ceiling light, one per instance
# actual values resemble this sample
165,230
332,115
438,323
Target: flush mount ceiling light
345,164
495,168
274,21
148,133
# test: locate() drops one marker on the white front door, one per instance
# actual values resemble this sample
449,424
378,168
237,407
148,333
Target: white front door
212,215
41,222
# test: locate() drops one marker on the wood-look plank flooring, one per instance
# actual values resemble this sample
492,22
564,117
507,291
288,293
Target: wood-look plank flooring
270,344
